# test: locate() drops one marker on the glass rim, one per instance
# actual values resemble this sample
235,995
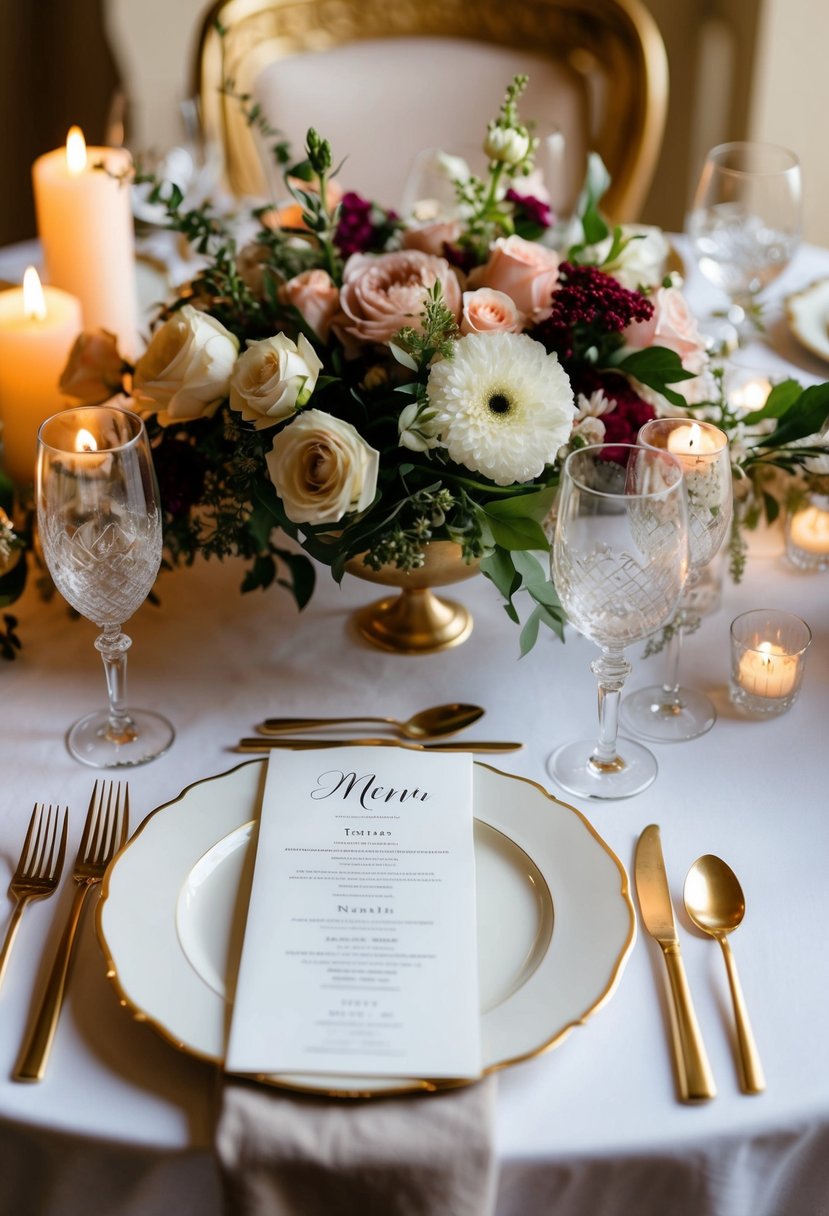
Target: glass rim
673,424
133,419
714,154
667,457
788,618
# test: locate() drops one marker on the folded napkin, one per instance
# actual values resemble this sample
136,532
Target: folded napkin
287,1155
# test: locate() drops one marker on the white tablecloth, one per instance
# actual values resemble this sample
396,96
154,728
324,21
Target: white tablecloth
122,1122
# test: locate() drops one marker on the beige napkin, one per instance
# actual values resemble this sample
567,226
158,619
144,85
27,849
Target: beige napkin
287,1155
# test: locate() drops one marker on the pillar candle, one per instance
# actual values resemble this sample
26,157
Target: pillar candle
84,219
37,329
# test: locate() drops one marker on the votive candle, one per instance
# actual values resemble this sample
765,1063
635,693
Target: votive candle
768,654
807,534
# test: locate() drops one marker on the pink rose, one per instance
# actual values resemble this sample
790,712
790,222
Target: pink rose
95,371
430,238
486,311
525,271
315,295
380,294
673,326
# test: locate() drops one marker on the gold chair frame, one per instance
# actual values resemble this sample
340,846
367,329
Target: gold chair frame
614,46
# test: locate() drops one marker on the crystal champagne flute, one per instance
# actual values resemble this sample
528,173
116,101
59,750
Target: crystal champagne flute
619,561
745,223
99,524
671,713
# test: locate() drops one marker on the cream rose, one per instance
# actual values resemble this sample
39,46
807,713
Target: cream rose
322,469
94,371
273,378
185,371
523,270
380,294
316,297
486,311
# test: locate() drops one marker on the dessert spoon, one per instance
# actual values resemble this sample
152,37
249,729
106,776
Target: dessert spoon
428,724
715,902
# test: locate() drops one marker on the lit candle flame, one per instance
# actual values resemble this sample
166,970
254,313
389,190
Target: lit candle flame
34,302
85,441
765,650
695,436
75,151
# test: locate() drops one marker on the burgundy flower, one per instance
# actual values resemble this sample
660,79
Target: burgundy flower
362,226
590,309
180,470
530,210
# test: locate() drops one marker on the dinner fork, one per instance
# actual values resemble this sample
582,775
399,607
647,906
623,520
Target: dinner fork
38,870
104,832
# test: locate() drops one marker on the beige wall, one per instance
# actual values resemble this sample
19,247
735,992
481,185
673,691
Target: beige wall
790,99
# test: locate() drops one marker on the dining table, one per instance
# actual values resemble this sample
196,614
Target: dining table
122,1123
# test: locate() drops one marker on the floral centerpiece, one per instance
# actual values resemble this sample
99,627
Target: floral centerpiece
366,383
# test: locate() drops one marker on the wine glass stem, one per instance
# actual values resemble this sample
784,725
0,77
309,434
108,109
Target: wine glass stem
113,646
611,670
670,685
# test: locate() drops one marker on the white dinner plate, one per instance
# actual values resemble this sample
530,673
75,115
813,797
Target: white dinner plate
808,315
555,919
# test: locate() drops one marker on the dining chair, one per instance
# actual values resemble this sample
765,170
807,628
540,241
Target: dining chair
385,79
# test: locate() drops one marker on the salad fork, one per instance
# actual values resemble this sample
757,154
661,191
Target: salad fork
38,870
104,833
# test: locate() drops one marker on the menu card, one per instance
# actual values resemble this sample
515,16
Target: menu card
360,949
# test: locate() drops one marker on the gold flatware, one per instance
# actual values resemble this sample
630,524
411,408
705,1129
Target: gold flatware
104,832
38,870
715,903
262,744
694,1076
428,724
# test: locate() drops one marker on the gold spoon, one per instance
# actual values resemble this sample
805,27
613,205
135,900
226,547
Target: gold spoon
715,903
428,724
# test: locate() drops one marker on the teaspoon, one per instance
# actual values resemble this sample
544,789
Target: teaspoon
715,903
428,724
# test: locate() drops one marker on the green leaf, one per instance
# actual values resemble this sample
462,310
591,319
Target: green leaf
302,171
261,574
536,505
657,367
517,533
781,398
303,576
499,568
529,634
402,356
772,507
805,417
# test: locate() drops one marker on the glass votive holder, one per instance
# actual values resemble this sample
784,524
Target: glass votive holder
768,656
807,533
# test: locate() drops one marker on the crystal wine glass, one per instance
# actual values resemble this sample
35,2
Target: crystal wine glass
619,561
99,524
745,221
670,713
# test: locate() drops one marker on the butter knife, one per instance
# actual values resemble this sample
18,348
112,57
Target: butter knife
263,744
694,1076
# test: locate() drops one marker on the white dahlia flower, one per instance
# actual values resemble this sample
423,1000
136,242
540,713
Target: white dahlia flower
503,406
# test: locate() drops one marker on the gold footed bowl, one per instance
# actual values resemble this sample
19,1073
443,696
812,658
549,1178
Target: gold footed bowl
416,621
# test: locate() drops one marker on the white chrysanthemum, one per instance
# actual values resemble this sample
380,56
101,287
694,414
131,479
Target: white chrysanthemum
503,406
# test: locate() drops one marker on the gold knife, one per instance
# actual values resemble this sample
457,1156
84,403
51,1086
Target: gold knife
262,744
694,1076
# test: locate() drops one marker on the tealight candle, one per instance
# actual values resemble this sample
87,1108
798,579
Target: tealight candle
696,439
807,535
768,651
37,328
84,219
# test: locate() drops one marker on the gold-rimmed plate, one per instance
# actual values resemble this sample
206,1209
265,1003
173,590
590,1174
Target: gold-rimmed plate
555,919
807,312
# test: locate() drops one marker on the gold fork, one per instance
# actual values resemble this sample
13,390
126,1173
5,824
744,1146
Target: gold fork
38,870
104,832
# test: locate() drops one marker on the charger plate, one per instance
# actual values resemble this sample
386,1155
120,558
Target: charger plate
808,316
555,920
